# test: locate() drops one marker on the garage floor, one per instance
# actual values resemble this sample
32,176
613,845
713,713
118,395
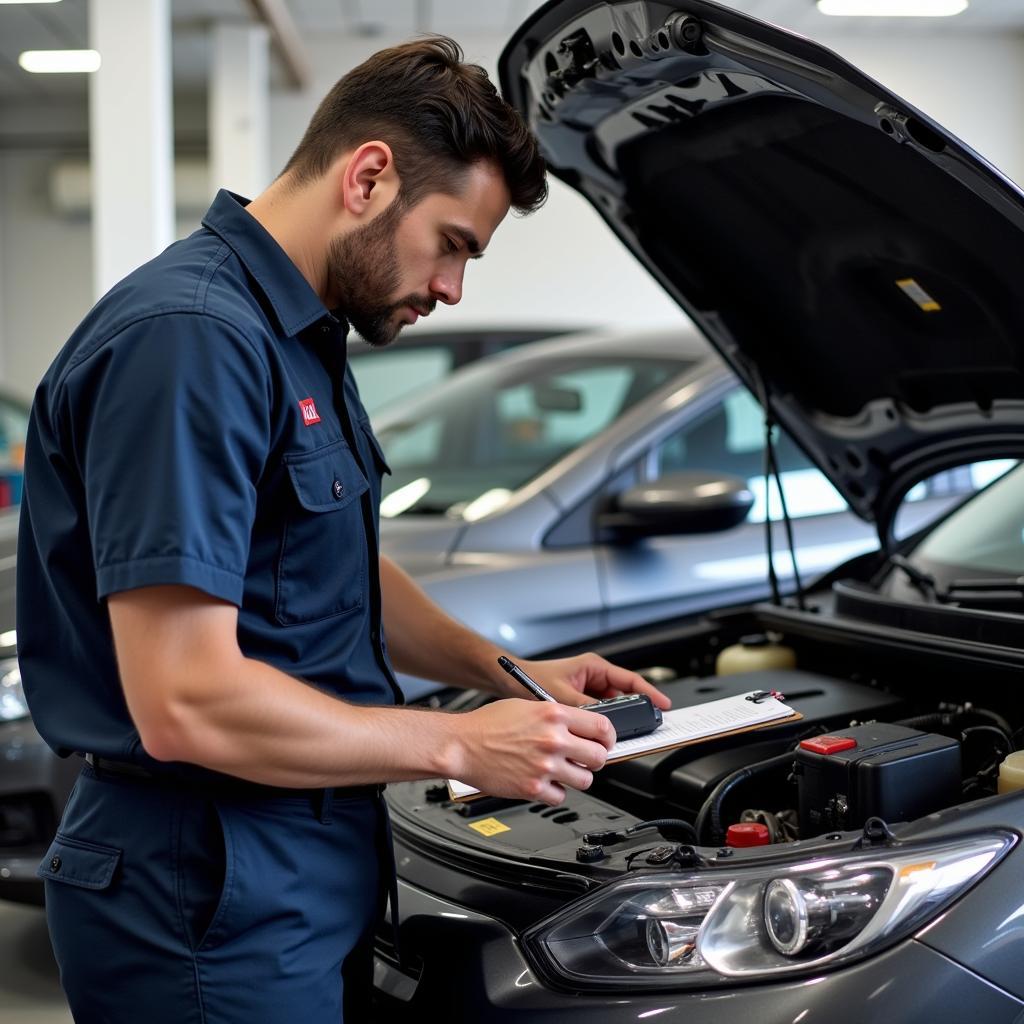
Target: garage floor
29,988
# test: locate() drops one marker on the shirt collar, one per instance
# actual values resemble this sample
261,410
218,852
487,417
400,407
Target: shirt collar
294,302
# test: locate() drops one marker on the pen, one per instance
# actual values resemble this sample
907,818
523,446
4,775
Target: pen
520,676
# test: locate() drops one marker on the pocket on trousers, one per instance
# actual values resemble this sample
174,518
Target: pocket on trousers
80,863
204,873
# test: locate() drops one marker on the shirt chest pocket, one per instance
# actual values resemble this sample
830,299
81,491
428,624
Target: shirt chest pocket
324,557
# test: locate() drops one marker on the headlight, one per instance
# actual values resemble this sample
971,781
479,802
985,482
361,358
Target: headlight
12,697
686,930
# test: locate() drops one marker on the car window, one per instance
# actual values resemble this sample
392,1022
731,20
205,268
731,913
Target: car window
986,535
385,376
730,439
493,427
564,409
928,501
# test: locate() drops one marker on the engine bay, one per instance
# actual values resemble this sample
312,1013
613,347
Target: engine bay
878,744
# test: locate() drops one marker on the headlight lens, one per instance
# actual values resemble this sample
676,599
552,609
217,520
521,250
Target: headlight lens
783,918
12,697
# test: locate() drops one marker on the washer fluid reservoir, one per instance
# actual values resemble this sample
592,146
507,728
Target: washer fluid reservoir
752,654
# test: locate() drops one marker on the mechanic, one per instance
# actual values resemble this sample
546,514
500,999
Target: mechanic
201,601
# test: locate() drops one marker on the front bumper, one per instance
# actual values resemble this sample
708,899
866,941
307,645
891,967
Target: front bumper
463,965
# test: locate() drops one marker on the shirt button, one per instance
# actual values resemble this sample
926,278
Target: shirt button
338,489
324,329
55,863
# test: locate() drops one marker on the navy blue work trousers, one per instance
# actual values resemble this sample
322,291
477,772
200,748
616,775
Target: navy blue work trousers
172,907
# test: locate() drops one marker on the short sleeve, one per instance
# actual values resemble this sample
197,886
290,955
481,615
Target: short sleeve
170,426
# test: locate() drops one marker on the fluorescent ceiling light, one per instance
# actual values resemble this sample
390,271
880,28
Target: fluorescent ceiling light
29,1
56,62
892,8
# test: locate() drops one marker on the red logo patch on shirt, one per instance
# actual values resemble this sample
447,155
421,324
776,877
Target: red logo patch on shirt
309,413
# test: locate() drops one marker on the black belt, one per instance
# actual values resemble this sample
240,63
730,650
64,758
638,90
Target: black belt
226,785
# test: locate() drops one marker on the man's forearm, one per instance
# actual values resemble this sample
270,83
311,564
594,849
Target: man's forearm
195,697
424,641
250,720
261,724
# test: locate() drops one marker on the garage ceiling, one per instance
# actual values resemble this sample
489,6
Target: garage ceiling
64,24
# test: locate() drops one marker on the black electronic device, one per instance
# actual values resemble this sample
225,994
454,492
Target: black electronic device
632,714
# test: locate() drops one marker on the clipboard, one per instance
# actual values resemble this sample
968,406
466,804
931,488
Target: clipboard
685,727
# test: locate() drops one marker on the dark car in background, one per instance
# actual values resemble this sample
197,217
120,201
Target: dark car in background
857,267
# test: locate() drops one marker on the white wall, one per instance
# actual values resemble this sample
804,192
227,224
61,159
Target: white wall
972,84
46,268
559,266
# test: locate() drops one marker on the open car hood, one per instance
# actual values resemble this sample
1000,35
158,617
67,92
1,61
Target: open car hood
857,265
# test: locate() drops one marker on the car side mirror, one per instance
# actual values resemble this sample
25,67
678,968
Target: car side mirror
679,503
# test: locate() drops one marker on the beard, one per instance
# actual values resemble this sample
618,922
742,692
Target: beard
362,272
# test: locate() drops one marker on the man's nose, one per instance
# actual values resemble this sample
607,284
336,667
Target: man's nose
447,287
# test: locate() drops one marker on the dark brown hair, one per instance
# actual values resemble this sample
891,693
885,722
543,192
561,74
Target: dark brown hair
438,115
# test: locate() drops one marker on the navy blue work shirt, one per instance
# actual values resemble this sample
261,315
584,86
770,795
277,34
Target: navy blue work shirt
200,427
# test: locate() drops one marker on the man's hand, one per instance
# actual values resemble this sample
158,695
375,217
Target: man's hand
573,680
531,749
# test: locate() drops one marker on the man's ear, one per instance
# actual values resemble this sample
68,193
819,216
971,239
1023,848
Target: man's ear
369,182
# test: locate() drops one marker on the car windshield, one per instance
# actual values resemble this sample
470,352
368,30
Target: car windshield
982,539
466,446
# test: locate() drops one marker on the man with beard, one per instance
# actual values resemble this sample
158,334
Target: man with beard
203,615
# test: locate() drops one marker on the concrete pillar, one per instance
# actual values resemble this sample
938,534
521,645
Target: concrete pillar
130,136
239,109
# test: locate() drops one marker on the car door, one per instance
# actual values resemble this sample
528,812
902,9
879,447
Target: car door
664,576
512,587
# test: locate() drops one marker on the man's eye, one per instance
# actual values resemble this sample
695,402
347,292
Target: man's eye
450,246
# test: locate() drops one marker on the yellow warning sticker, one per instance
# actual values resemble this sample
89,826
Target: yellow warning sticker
490,827
918,295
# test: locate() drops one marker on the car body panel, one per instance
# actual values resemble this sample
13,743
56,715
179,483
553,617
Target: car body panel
985,933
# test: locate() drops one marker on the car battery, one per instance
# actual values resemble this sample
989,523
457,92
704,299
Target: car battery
677,782
879,770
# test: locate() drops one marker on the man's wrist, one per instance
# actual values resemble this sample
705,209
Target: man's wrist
449,747
489,674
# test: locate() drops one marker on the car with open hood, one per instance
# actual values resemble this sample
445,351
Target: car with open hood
856,266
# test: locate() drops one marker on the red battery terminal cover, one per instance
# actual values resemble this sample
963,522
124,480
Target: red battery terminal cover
828,744
749,833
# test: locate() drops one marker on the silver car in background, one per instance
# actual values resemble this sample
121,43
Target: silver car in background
510,479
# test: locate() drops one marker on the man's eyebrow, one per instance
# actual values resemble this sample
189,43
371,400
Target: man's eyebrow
470,240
